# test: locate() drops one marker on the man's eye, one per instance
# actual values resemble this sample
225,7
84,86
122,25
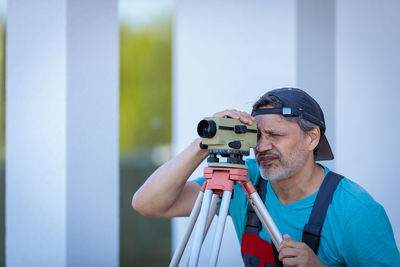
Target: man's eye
276,134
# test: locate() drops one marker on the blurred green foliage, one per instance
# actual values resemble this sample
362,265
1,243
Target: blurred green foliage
2,91
145,123
145,85
2,140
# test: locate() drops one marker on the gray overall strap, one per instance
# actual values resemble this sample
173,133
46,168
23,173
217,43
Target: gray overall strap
312,230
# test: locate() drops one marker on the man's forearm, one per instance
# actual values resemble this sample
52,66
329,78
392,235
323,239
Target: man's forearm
164,186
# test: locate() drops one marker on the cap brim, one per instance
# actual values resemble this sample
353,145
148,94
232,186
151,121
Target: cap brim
324,149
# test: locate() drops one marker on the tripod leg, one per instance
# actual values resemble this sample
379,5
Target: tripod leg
213,210
223,213
200,227
192,220
265,218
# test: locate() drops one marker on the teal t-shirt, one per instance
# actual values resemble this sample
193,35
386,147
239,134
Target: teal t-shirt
356,231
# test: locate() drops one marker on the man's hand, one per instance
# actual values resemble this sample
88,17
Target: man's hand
293,253
235,114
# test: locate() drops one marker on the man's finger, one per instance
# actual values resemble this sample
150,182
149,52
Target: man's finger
289,243
288,253
290,262
235,114
283,244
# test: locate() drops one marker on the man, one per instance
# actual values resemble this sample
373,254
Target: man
301,195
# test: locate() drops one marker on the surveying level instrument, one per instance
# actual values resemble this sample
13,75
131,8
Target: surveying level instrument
230,139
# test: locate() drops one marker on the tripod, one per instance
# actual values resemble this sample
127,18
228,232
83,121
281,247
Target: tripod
220,180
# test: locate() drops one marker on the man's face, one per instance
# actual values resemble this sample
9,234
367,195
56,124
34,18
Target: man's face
281,148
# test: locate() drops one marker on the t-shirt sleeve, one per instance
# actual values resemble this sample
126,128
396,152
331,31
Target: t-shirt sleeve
200,180
369,240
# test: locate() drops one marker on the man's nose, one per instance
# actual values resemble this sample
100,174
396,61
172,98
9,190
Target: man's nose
263,144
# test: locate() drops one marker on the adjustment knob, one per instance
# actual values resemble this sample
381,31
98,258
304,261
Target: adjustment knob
240,129
212,159
235,144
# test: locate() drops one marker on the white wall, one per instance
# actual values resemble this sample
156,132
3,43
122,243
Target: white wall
367,92
35,135
92,126
316,59
62,185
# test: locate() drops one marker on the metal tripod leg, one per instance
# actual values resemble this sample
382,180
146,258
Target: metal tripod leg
201,225
265,218
223,213
192,220
213,210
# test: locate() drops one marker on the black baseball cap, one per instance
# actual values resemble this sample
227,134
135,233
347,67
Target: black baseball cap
295,103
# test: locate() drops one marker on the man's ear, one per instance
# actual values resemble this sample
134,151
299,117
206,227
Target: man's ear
313,136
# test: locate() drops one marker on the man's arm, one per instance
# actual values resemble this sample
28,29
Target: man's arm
166,193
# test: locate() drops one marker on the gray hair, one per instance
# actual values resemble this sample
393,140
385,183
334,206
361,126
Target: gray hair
304,124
